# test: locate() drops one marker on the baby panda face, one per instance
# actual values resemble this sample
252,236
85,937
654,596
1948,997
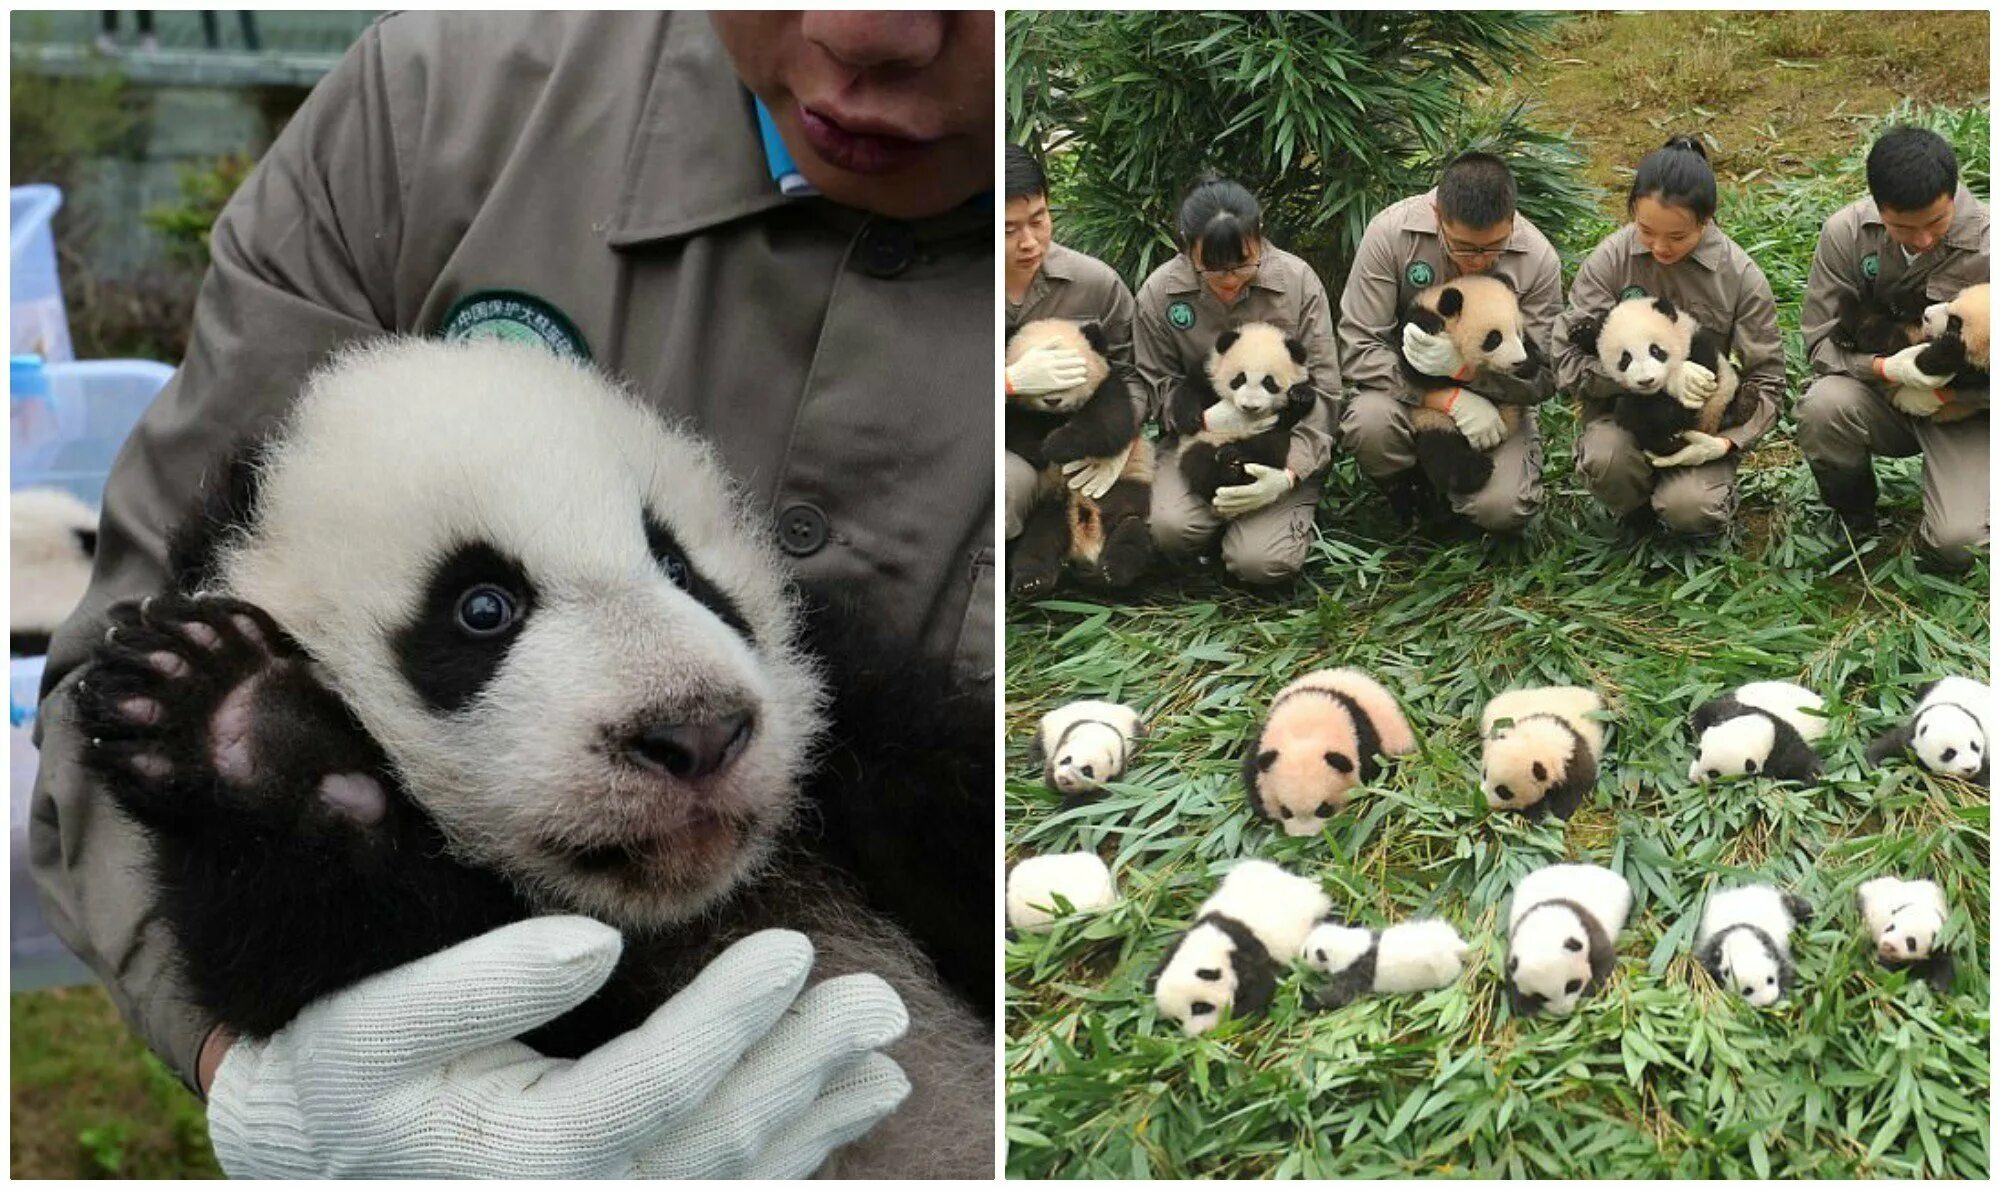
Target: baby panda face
1747,968
1085,339
552,610
1087,756
1334,948
1947,739
1254,366
1911,933
1522,761
1307,762
1642,343
1483,319
1198,981
1969,316
1548,964
1736,747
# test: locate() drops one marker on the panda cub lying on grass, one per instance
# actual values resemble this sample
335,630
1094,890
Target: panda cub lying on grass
1413,956
1745,941
1761,729
1081,745
1947,733
1905,919
1562,931
1241,941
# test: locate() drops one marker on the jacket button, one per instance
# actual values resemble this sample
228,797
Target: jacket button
887,247
801,530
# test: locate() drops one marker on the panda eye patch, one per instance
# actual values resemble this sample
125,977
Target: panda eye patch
1770,980
1270,384
1201,1008
1209,973
1657,352
673,562
1541,771
1325,810
1513,964
1089,770
1238,380
1715,772
1284,811
1748,990
1503,793
1491,342
1572,944
474,605
1949,753
485,612
1320,955
1624,360
1064,760
1749,766
1572,987
1339,762
1913,944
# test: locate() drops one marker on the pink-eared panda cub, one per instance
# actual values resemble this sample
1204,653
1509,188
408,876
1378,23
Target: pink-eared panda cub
1482,317
1905,919
52,543
1242,940
1641,343
1541,749
1960,334
1948,733
1102,540
1744,941
1761,729
1412,956
1324,735
1562,927
1260,371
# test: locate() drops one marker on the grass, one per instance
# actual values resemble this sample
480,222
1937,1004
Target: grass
1862,1073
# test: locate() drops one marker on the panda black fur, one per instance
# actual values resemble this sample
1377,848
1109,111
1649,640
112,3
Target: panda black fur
1241,941
1482,317
457,718
1761,729
1744,941
1641,342
1948,733
1260,370
52,543
1103,540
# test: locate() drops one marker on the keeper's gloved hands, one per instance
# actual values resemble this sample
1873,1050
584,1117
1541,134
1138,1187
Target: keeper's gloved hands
1691,384
1918,402
1433,355
1049,368
1478,419
1225,418
1094,477
1701,448
1901,369
413,1073
1266,484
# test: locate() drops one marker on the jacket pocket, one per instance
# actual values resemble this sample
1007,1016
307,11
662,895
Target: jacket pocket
972,659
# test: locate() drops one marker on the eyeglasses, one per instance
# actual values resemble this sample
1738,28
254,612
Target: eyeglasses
1474,251
1243,271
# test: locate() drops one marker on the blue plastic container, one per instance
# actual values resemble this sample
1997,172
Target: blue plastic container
39,323
97,403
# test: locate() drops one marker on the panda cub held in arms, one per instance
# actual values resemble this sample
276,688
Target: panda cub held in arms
1761,729
1561,929
1948,733
1904,919
1959,344
1641,343
1541,749
1323,737
1241,941
1081,745
1482,318
1414,956
1261,372
1745,941
52,542
1103,540
476,636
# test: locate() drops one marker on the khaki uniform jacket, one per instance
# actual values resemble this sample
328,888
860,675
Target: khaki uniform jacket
1856,257
1179,320
608,165
1717,282
1073,285
1400,255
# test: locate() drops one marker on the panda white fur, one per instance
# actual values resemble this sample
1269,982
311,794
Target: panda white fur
1541,748
1241,940
1079,877
1481,316
1324,735
478,633
1949,732
1562,927
1744,941
1261,371
1641,343
1960,334
1412,956
1760,729
52,542
1081,745
1904,919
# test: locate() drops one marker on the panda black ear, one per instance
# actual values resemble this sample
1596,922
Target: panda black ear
1297,349
1226,340
1093,334
86,540
1666,308
1451,301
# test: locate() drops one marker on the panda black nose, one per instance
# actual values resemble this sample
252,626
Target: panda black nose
693,748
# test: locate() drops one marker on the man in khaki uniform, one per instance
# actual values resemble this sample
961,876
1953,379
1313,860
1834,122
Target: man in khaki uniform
1920,237
1468,224
597,182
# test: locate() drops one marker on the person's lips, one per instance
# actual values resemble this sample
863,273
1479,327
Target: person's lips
859,146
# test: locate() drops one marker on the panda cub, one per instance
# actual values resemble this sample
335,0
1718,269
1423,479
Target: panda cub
52,542
1260,371
1905,918
1642,342
1081,745
1103,540
476,636
1959,335
1761,729
1561,927
1744,941
1541,749
1414,956
1324,735
1079,877
1241,940
1948,733
1482,317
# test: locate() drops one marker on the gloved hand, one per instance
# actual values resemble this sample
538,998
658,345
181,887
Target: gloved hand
1094,477
414,1073
1478,419
1225,418
1917,402
1691,384
1049,368
1433,355
1266,484
1701,448
1901,369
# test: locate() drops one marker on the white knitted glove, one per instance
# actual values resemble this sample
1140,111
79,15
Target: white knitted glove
1701,448
1049,368
1917,402
1901,369
1433,355
413,1073
1094,477
1691,384
1266,484
1225,418
1477,419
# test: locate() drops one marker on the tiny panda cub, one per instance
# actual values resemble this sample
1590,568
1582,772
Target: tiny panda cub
1414,956
1079,877
1241,940
1260,371
1905,918
1760,729
1744,941
1641,342
52,542
1323,736
1561,927
1103,540
1081,745
1542,745
1948,733
1960,345
1482,317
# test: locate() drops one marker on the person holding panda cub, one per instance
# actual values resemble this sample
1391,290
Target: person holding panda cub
1702,287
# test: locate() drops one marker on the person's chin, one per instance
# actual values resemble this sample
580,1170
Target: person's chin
918,191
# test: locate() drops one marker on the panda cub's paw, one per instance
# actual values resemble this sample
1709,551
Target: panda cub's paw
199,706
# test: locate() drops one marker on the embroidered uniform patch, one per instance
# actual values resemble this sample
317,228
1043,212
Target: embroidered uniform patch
1631,291
1181,315
1871,264
516,316
1419,273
